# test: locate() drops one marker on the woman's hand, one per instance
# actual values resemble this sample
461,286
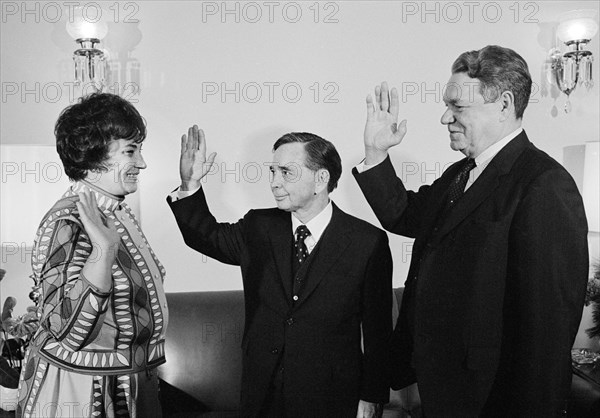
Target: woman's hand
105,243
104,238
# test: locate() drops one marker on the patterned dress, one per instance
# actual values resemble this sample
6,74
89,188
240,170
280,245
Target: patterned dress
96,352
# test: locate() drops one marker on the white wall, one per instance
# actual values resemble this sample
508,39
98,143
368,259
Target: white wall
182,51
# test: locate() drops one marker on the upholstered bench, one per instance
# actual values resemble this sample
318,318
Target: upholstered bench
201,377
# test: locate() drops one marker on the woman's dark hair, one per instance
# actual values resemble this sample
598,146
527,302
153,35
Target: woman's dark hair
84,131
320,154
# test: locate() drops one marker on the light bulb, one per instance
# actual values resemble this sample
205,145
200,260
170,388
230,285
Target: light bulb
577,25
81,26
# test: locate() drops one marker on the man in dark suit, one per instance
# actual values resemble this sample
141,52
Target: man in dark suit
313,277
498,273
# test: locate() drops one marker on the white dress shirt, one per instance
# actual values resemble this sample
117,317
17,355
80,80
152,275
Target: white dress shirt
481,161
316,225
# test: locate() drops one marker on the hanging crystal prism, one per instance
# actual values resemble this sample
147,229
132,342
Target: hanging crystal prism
90,64
587,69
572,68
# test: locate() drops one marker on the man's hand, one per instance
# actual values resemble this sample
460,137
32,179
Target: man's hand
369,410
193,165
382,130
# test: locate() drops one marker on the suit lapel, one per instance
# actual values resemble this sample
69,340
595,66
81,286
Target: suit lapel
487,182
331,246
280,232
477,193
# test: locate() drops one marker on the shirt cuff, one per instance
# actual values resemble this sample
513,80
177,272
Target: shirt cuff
182,194
362,167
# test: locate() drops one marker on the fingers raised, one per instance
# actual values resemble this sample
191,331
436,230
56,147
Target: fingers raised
190,139
385,98
395,103
201,140
370,106
88,208
401,131
211,158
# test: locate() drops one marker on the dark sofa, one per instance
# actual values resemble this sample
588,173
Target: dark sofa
201,377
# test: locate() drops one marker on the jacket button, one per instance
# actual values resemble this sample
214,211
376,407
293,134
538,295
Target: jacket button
290,321
274,351
295,297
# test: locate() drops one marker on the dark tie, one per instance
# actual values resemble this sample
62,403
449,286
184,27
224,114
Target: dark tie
300,247
300,255
457,187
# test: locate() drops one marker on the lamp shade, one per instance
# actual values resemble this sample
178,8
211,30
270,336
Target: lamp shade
86,24
577,25
591,185
33,179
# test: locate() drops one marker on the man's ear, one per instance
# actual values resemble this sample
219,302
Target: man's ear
507,101
321,179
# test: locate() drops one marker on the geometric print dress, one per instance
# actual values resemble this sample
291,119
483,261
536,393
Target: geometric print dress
96,352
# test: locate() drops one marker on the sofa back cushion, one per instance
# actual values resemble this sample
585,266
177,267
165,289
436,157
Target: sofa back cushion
203,347
204,355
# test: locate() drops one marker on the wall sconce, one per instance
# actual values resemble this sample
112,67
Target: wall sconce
88,31
576,29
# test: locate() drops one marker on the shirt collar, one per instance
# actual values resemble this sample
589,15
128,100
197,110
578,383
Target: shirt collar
495,148
316,225
105,200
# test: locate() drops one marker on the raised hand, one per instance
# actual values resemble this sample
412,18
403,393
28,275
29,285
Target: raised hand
382,130
193,165
105,242
104,238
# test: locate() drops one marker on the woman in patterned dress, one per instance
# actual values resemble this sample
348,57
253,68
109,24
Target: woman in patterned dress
104,311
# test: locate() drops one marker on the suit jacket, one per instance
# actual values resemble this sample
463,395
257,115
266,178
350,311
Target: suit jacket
316,339
494,294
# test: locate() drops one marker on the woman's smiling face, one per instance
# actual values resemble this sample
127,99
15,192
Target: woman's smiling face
123,166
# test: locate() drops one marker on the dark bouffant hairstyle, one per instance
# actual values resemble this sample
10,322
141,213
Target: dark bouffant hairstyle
498,69
84,131
320,154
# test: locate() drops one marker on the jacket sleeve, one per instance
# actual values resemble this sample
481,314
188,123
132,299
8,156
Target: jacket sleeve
399,210
73,308
377,323
221,241
545,291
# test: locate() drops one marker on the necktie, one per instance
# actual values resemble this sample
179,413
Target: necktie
457,187
300,247
300,254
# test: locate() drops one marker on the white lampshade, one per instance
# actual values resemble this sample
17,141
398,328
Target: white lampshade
87,24
577,25
591,185
33,179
